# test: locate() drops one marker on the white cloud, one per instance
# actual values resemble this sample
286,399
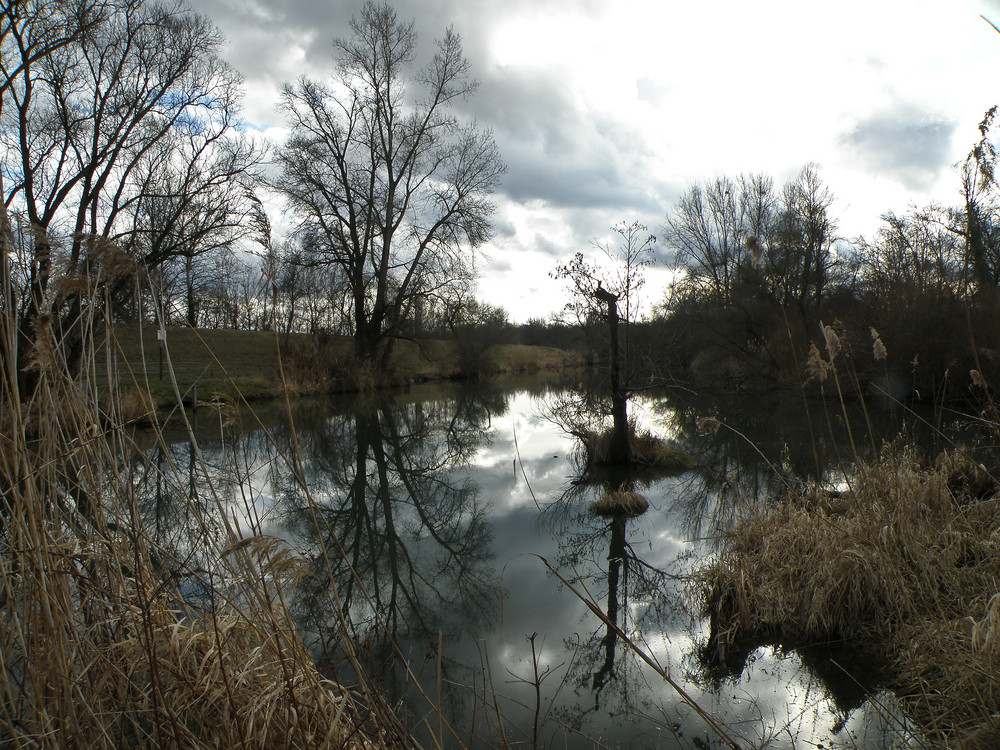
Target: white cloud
607,110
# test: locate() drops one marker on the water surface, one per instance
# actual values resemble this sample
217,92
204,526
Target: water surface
447,528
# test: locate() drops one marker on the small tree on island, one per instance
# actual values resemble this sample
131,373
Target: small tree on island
596,296
620,448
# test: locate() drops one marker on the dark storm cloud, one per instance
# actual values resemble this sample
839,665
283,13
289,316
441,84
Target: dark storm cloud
260,32
589,180
502,228
555,151
257,29
544,245
908,145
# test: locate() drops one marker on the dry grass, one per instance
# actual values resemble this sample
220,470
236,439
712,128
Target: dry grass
252,365
650,450
620,503
904,564
134,405
520,358
647,450
98,646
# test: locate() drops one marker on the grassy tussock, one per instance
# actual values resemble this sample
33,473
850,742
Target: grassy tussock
904,563
134,405
647,450
621,503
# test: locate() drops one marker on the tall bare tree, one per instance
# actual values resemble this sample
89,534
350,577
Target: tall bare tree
709,229
30,32
136,108
388,185
804,238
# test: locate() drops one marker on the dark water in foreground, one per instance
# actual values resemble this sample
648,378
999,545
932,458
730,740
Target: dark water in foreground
451,522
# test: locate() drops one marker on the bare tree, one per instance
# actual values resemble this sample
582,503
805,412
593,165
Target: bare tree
387,184
138,93
736,240
709,232
804,239
915,258
31,30
589,299
193,196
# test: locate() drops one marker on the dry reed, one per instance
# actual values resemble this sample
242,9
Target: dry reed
98,646
620,503
903,564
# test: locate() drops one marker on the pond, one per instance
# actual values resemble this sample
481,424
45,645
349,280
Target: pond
445,529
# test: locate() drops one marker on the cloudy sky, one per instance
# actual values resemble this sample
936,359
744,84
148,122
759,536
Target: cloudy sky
607,110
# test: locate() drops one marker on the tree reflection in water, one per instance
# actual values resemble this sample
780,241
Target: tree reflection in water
638,598
400,541
401,548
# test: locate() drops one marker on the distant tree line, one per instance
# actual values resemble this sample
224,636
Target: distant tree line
131,186
763,268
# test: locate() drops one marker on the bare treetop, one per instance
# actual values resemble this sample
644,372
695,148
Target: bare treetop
386,183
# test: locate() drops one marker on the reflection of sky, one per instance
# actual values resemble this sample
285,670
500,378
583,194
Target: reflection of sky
528,459
522,444
775,700
231,484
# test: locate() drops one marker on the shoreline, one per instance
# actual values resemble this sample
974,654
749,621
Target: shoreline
215,366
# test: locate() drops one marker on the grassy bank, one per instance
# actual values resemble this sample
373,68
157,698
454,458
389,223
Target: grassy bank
903,564
260,365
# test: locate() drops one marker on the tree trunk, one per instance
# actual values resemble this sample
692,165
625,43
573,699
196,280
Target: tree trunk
616,566
620,450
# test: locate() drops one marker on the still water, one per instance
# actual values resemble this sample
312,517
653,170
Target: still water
447,528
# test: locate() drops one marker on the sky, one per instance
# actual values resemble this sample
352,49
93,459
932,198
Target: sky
607,111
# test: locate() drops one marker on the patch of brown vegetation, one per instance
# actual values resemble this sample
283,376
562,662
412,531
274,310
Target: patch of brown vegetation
906,563
135,405
620,503
647,450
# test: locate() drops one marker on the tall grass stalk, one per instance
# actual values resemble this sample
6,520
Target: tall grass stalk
100,646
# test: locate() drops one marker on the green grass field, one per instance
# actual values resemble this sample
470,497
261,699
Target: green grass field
208,364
